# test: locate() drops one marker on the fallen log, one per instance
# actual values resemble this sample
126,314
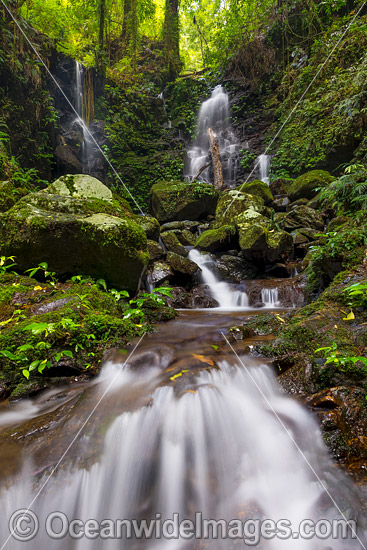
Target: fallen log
215,154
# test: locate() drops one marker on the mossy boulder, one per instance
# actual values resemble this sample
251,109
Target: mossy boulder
150,226
80,186
215,240
7,196
260,244
251,216
181,265
155,250
177,200
186,237
172,243
305,186
232,203
258,189
75,235
301,217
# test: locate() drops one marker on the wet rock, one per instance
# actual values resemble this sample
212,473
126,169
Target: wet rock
201,298
186,237
337,222
172,244
278,270
172,225
181,299
150,226
305,186
53,306
160,272
298,238
301,217
281,204
178,200
214,240
235,269
158,357
258,243
259,189
280,186
68,159
155,250
182,265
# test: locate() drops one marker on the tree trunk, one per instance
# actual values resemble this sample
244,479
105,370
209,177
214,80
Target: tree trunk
215,153
129,35
171,38
102,17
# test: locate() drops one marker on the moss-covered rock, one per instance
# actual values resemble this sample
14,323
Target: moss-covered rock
172,243
80,186
7,196
304,187
75,236
259,189
159,273
177,200
186,237
155,250
302,216
232,203
150,226
215,240
259,244
181,265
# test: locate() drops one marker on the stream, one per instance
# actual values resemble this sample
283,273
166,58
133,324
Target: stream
192,423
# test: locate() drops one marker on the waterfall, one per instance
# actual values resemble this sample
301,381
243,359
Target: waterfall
269,297
220,290
87,144
264,167
214,113
218,449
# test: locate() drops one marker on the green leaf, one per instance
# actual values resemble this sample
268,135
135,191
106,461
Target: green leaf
8,354
25,373
25,347
33,365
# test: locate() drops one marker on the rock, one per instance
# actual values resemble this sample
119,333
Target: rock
170,226
150,226
299,202
76,236
7,196
298,238
305,186
155,250
160,273
235,269
181,265
251,216
178,200
232,203
311,234
259,189
214,240
258,243
172,244
281,203
280,186
200,297
337,222
300,217
186,237
80,186
67,158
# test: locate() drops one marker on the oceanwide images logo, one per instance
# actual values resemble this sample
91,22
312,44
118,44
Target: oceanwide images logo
24,525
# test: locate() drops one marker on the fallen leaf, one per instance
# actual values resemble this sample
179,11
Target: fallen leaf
203,359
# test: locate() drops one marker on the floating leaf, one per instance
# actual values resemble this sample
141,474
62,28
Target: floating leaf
203,359
178,375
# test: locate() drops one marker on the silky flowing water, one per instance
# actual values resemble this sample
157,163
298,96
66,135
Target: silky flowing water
184,427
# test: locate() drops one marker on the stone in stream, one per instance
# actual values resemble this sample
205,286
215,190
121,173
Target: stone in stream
235,269
178,200
214,240
76,233
307,185
181,265
160,272
172,244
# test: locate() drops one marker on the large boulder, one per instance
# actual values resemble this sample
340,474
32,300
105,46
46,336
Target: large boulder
306,186
9,195
172,243
80,186
259,189
302,216
260,244
214,240
181,265
76,234
177,200
232,203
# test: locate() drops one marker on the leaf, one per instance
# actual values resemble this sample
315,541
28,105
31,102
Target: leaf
8,354
25,373
68,353
38,288
203,359
25,347
33,365
178,375
349,317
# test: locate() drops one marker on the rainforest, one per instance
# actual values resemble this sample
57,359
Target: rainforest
183,274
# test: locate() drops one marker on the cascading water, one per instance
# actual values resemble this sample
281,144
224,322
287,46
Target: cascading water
87,144
270,297
220,290
264,167
214,114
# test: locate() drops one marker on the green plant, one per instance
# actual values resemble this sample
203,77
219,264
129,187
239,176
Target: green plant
43,266
339,359
358,294
349,192
4,265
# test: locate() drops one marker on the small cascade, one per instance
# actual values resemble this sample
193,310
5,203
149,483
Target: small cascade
263,162
164,106
270,297
87,145
214,114
220,290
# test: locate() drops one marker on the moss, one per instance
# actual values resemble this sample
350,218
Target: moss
307,185
214,240
259,189
232,203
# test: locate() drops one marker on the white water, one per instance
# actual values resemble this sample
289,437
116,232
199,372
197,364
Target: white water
220,290
269,297
214,113
264,167
87,145
225,448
